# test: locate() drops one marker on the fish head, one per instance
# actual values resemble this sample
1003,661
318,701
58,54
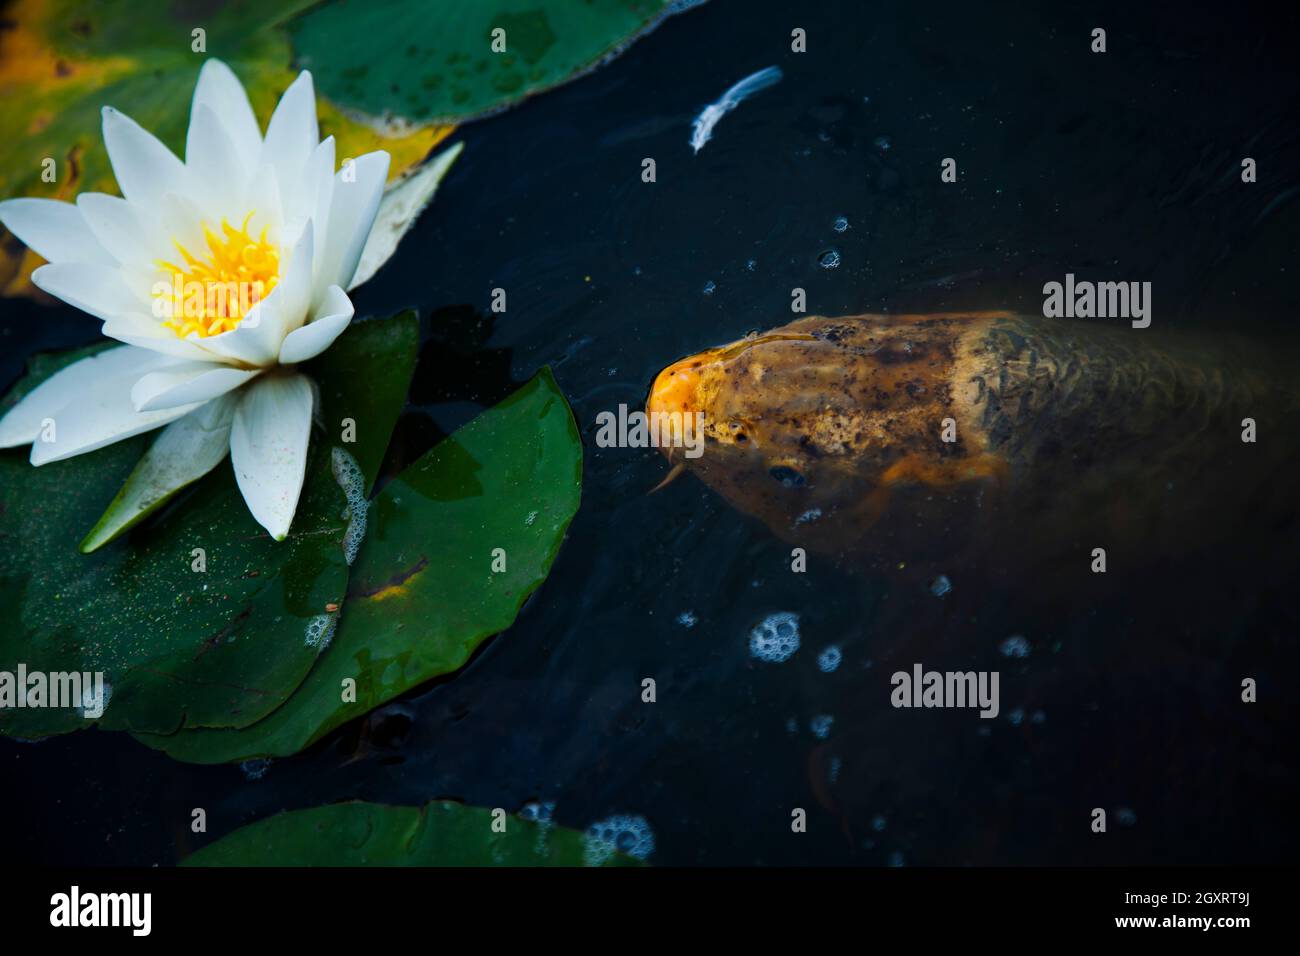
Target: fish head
811,426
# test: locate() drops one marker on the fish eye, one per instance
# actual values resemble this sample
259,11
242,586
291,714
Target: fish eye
787,476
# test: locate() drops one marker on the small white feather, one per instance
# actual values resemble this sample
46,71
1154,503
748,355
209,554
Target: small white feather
702,128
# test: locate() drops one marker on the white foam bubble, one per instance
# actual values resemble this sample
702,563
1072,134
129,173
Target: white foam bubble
626,832
821,726
350,478
776,638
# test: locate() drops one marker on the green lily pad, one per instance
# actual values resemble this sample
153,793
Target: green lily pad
179,647
370,834
424,593
433,60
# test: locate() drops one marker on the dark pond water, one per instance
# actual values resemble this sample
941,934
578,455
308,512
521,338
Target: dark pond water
1069,161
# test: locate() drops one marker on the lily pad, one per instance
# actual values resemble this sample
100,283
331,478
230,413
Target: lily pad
424,592
427,61
177,646
370,834
62,60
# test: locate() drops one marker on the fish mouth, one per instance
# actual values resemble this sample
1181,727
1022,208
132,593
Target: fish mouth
677,387
676,393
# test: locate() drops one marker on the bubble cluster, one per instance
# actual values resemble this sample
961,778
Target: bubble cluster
537,811
829,660
541,812
627,833
94,703
940,586
830,259
812,514
1014,646
255,769
821,726
841,224
320,630
350,478
687,619
776,638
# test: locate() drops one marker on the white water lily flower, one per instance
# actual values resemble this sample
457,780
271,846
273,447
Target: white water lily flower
220,274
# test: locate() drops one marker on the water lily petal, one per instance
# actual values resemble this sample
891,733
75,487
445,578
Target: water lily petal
97,289
268,447
292,133
357,191
177,221
146,170
186,384
54,229
148,333
113,222
319,334
294,287
320,178
264,198
218,170
22,424
89,404
220,90
183,452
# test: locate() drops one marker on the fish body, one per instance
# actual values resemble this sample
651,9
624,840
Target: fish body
925,438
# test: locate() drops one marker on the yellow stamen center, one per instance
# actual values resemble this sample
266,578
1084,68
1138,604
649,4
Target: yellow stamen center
211,293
